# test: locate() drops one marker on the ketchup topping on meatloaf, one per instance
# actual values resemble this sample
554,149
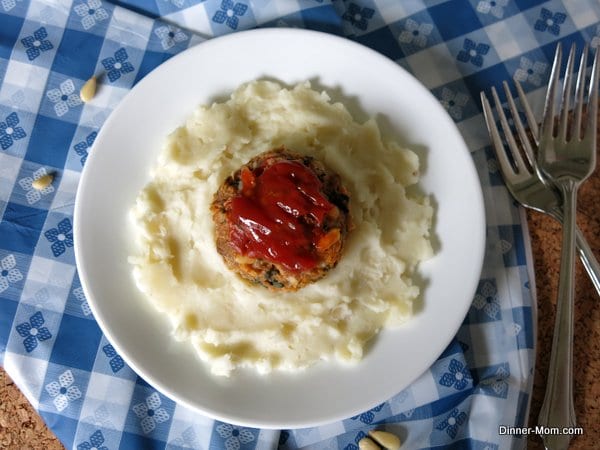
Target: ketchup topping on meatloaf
281,220
278,213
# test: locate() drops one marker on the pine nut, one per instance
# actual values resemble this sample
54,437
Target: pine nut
42,182
88,90
368,444
387,440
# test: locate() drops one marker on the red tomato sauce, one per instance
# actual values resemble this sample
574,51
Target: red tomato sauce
278,213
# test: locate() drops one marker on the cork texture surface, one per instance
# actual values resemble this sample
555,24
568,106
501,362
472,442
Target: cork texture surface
22,428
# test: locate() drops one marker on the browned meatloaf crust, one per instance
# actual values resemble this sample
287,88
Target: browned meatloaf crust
272,275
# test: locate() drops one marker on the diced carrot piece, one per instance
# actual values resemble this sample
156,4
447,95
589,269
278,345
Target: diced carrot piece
328,239
248,181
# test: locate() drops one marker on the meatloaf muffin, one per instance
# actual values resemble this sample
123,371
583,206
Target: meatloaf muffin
281,220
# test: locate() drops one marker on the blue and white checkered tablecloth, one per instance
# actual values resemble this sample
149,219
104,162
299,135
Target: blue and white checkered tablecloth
49,342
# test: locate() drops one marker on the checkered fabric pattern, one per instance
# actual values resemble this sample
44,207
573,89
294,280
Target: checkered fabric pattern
49,342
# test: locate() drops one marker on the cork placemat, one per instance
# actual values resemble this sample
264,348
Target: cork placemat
20,425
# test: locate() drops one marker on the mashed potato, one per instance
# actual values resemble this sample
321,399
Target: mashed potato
233,324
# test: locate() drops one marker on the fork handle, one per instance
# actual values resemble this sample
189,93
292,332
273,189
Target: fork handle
588,259
558,408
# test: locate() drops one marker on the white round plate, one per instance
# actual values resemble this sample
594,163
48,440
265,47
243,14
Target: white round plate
370,85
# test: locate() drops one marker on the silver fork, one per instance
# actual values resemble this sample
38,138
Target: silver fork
525,181
567,161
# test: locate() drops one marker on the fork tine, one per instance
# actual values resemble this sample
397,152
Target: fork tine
508,134
533,126
593,101
566,95
579,87
546,131
521,130
505,165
